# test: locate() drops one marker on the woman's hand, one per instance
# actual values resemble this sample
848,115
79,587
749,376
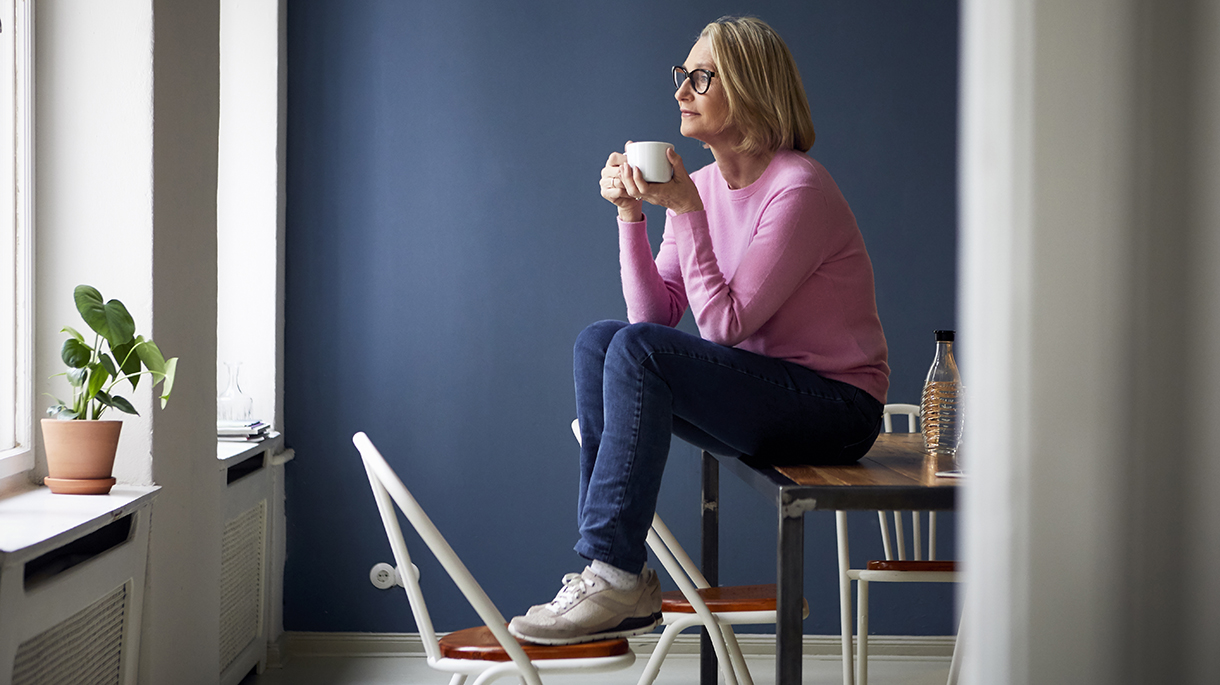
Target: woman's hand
629,207
624,185
679,194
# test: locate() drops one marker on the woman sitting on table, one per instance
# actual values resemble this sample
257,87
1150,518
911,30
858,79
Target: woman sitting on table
791,366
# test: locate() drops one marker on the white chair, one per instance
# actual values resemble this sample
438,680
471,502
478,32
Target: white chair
890,570
911,412
696,603
487,652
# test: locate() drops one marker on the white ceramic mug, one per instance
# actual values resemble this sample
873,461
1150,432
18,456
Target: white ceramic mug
649,157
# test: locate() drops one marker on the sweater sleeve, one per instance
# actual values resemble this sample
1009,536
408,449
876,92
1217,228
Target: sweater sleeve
652,288
792,240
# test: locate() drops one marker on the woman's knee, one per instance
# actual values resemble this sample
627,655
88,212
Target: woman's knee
597,336
640,340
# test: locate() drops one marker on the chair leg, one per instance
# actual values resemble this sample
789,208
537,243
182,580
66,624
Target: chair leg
505,668
955,666
885,536
931,536
900,540
862,634
659,652
458,679
739,660
499,671
844,594
709,621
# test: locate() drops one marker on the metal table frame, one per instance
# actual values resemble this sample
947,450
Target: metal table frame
792,501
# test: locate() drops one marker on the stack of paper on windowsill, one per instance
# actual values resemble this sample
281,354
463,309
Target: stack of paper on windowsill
242,431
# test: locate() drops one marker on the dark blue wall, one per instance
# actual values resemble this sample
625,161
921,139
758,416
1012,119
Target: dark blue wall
446,243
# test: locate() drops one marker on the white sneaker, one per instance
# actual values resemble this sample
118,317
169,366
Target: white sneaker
588,609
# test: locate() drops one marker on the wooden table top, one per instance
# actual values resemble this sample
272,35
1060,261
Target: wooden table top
896,459
895,474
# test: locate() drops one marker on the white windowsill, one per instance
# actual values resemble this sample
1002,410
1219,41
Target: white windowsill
36,521
229,453
14,461
33,520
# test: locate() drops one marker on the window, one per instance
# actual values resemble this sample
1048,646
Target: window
16,238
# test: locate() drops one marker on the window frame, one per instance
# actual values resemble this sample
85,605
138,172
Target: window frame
17,229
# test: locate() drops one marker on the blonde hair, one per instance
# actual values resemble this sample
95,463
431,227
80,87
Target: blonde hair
766,99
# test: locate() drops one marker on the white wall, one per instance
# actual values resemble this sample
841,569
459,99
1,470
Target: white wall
94,180
250,209
183,605
250,231
1088,252
127,118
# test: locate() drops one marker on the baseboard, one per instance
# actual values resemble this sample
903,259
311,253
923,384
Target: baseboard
277,651
293,644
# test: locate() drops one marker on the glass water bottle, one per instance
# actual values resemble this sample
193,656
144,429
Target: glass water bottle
942,397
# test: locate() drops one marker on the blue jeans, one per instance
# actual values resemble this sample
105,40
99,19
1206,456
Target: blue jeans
638,384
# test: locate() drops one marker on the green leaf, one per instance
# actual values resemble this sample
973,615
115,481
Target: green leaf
92,308
75,353
98,405
108,364
152,358
122,326
76,377
128,360
111,320
171,367
60,411
97,378
73,332
123,405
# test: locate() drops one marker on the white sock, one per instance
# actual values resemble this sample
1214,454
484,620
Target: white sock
615,576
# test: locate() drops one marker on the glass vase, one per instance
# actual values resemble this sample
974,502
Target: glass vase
232,404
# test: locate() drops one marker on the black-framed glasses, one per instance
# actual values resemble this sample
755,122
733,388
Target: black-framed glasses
700,79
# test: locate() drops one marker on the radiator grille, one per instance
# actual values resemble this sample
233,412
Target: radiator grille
241,582
85,649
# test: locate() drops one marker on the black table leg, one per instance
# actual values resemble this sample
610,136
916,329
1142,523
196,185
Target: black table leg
709,561
790,589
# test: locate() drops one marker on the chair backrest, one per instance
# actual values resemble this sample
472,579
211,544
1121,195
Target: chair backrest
389,490
912,414
911,411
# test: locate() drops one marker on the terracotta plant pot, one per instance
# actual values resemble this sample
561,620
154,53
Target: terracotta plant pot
80,455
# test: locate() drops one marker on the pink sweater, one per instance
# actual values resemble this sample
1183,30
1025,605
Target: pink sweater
777,268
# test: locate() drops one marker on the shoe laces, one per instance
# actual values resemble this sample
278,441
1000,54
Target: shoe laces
574,589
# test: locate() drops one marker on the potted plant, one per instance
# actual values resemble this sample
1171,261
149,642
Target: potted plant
80,446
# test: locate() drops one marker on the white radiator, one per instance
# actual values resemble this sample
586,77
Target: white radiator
72,587
85,649
242,573
246,568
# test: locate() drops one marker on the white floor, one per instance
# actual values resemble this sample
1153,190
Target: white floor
679,669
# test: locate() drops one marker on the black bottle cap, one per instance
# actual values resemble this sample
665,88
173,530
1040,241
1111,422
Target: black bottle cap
944,336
